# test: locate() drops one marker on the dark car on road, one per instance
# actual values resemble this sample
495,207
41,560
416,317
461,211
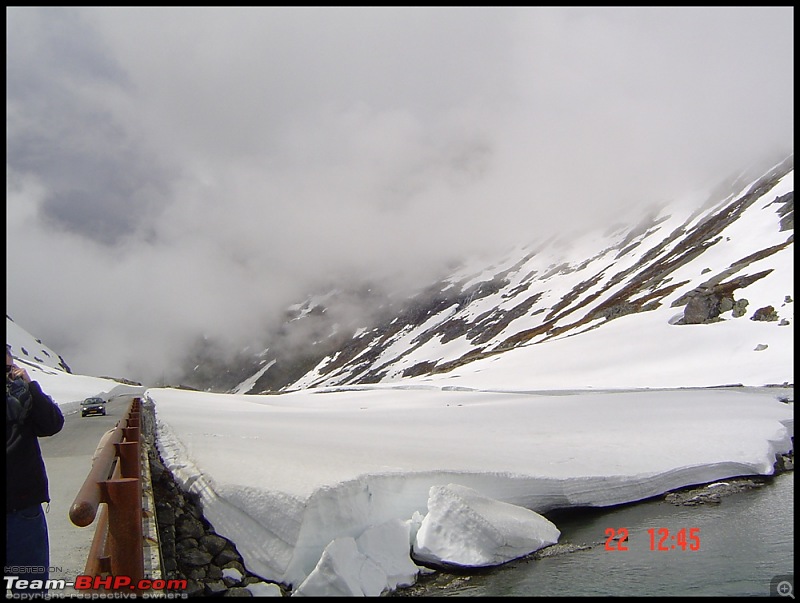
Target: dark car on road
93,406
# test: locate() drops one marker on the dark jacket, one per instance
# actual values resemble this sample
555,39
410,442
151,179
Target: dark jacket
30,414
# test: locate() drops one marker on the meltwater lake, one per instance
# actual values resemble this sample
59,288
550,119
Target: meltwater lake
746,549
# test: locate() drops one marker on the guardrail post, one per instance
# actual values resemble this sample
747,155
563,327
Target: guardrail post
129,461
123,497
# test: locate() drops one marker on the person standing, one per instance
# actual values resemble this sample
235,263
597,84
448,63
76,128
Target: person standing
30,414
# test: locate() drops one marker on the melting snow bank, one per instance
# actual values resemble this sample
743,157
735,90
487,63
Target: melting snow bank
467,529
462,528
340,494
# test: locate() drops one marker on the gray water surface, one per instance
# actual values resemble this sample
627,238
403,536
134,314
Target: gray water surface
745,542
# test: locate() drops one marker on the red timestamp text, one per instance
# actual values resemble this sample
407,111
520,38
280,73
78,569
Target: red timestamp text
617,539
661,539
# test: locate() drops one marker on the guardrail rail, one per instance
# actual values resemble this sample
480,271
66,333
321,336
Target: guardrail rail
113,493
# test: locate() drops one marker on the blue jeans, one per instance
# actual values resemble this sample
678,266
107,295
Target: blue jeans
27,547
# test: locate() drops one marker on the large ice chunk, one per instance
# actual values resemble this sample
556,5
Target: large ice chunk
343,571
377,561
389,546
465,528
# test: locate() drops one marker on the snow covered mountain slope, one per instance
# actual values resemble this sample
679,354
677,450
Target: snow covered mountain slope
727,266
26,349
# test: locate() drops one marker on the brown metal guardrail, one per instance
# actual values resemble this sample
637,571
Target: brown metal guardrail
116,480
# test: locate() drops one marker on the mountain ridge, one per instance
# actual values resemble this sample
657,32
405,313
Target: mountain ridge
540,294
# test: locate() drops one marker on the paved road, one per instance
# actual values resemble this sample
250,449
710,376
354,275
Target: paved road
68,458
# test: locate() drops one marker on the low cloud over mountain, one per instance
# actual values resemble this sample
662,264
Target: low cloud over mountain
676,268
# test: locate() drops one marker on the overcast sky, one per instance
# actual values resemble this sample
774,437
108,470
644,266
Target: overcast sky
172,171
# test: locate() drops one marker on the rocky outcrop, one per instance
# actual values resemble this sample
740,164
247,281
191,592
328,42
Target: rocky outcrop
767,313
712,493
707,302
786,210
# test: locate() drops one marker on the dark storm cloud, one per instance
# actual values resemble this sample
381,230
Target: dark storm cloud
103,183
216,164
